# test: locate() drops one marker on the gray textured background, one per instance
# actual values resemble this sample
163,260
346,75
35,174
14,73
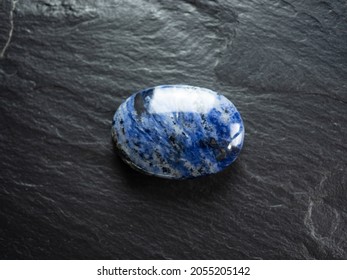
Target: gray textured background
69,64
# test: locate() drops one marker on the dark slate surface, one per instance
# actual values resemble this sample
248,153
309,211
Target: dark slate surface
69,64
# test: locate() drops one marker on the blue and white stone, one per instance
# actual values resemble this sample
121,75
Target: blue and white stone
178,131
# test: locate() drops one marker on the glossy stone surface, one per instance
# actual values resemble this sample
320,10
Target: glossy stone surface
178,131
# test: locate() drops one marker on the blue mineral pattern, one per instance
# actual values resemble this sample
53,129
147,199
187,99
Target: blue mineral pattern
178,131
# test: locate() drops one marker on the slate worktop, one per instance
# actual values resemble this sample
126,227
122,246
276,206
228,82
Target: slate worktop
66,65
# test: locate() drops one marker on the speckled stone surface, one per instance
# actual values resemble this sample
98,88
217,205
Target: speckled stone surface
178,131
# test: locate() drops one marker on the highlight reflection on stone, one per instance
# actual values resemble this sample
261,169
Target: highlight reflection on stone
178,131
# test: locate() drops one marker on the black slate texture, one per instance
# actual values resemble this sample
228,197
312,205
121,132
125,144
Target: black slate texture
67,66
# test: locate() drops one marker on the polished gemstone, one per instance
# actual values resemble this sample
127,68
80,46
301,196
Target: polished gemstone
178,131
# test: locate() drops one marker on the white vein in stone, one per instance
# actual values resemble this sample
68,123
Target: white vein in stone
10,33
182,99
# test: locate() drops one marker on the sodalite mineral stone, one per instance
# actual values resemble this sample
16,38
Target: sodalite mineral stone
178,131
